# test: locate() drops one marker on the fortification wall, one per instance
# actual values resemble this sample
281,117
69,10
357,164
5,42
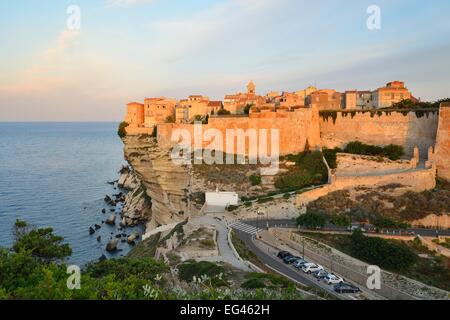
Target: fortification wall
442,156
296,130
380,129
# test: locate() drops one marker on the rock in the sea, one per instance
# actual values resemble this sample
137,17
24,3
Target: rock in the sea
132,238
111,220
102,258
109,200
118,236
99,238
91,230
97,227
112,245
104,211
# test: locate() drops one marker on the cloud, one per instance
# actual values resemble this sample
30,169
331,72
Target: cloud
126,3
209,28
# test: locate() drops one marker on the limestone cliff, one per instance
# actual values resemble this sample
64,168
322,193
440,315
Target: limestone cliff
165,183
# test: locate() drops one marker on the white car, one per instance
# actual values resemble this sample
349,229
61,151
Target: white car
331,278
311,267
299,263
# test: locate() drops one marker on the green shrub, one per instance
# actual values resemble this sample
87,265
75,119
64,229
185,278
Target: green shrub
387,223
384,253
311,220
392,151
255,179
309,170
340,220
122,132
265,280
331,156
223,112
190,269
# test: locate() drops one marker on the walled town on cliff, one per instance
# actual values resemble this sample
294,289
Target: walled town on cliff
376,160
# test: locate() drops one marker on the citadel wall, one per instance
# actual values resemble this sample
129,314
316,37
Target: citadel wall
297,129
442,154
382,128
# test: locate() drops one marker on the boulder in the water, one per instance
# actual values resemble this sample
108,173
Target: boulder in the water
91,230
112,245
111,220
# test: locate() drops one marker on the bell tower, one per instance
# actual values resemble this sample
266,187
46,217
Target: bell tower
251,88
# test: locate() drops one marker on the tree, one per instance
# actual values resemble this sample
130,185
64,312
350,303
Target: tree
40,243
255,179
223,112
311,220
247,108
122,132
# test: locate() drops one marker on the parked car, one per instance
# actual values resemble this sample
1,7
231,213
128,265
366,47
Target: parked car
290,259
331,278
311,267
283,254
320,274
346,288
354,227
299,263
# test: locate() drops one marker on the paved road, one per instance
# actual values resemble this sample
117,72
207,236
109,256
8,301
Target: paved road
268,258
225,252
290,223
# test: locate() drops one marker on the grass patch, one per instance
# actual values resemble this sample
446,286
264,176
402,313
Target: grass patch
190,269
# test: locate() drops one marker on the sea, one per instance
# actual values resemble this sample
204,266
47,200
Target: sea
56,175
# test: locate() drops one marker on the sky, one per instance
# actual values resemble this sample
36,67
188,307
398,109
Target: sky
126,50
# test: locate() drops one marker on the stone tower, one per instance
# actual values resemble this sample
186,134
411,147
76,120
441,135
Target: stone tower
251,88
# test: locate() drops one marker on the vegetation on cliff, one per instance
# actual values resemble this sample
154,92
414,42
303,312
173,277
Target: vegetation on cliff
35,269
122,132
392,151
403,257
382,208
309,170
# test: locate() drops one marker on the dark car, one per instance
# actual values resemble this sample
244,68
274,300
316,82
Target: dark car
346,288
290,259
283,254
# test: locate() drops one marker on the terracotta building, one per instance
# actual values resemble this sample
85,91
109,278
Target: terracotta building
135,114
157,110
393,92
236,103
326,99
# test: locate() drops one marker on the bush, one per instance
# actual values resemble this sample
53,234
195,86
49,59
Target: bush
392,151
331,156
40,243
265,280
387,223
255,179
122,132
311,220
384,253
190,269
223,112
310,169
340,220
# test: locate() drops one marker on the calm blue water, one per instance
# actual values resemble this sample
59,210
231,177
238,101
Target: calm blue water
56,174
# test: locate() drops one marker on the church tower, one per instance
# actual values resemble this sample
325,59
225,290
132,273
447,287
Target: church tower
251,88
